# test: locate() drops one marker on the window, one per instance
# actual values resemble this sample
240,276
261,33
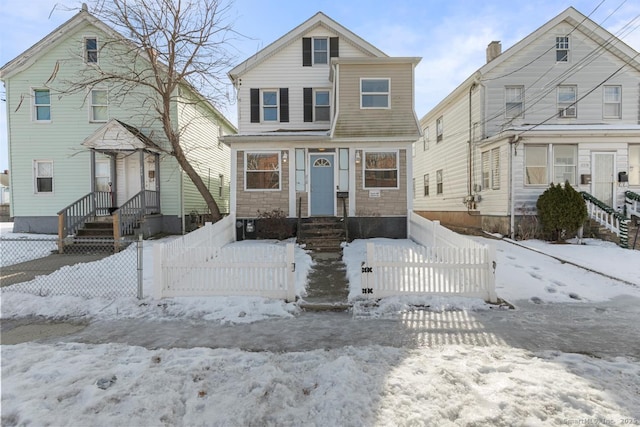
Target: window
321,108
564,164
562,49
300,169
42,105
374,93
439,181
99,106
426,184
262,171
514,103
486,170
535,165
270,105
439,130
103,175
381,169
343,166
91,50
320,51
425,135
634,164
567,98
495,172
220,185
43,176
612,102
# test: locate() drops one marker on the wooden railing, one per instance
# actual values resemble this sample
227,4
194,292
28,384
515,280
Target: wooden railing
632,203
128,216
71,218
609,218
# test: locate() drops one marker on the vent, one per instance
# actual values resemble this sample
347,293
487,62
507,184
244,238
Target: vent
567,112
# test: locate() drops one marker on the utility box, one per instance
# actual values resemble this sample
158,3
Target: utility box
623,177
585,179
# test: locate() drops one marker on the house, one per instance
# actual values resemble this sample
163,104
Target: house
560,105
326,124
75,156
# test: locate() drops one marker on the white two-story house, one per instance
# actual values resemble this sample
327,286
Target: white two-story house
75,155
326,123
562,104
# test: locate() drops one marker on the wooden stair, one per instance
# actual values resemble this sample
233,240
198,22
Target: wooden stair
322,234
94,236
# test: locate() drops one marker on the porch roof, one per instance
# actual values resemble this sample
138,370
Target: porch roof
303,135
567,130
119,136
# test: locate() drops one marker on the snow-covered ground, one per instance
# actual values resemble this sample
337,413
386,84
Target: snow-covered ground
446,384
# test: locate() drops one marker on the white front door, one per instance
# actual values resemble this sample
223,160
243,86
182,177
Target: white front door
602,177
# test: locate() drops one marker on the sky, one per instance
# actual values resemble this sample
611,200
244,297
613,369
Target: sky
453,361
450,36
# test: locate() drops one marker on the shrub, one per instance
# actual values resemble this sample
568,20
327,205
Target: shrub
273,225
561,211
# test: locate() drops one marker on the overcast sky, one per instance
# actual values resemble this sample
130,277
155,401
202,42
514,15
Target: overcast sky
451,36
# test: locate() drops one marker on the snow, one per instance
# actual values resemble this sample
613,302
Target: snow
10,254
434,383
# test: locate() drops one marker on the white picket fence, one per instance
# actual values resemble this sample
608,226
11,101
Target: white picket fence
445,263
199,264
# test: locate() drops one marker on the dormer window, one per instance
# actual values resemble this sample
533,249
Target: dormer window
91,50
374,93
562,49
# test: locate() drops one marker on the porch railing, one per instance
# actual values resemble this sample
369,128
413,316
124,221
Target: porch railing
71,218
609,218
128,216
632,203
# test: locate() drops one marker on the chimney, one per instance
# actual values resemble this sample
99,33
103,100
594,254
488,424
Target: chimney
494,49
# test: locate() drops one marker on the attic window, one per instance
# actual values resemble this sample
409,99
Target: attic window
320,50
562,49
91,50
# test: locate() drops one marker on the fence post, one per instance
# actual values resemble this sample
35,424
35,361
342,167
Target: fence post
61,231
158,261
140,265
291,272
116,231
367,278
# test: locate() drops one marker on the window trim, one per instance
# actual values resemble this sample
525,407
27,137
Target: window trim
546,165
35,107
313,51
315,105
520,115
279,170
564,106
364,169
440,181
387,93
276,106
425,136
85,51
425,185
36,177
92,118
618,103
439,129
563,43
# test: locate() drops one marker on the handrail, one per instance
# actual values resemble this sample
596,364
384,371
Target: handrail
608,217
632,203
72,217
129,215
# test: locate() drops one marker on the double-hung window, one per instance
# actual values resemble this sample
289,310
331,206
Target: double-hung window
564,164
99,108
374,93
439,181
439,129
41,105
425,135
567,98
270,105
320,50
612,102
381,169
262,170
535,164
426,184
562,49
43,176
321,106
91,50
514,101
491,169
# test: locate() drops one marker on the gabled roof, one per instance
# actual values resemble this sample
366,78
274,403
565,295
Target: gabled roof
574,18
317,20
119,136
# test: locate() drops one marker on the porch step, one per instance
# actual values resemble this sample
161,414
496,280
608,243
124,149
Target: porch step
99,228
322,234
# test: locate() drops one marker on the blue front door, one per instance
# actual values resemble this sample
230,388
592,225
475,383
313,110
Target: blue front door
323,191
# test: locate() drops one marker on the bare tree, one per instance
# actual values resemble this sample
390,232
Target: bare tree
160,51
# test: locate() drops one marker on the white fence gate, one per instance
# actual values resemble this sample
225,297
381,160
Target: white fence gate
446,263
198,264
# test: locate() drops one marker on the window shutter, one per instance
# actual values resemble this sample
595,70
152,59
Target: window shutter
306,51
333,47
284,104
308,104
255,105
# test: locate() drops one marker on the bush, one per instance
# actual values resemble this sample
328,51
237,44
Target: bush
561,211
273,225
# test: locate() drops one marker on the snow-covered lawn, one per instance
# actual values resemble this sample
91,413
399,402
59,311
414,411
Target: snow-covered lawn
448,384
16,252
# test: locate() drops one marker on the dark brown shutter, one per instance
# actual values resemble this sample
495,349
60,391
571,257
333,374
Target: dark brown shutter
255,105
284,104
306,52
307,102
333,47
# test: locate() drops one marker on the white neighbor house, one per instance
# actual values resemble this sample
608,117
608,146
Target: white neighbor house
561,104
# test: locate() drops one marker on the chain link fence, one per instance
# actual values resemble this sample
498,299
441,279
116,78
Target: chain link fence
87,269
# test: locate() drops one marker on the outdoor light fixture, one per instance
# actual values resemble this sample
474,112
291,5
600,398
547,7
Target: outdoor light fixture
285,156
357,156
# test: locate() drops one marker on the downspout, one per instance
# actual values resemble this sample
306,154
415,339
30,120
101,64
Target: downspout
470,202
